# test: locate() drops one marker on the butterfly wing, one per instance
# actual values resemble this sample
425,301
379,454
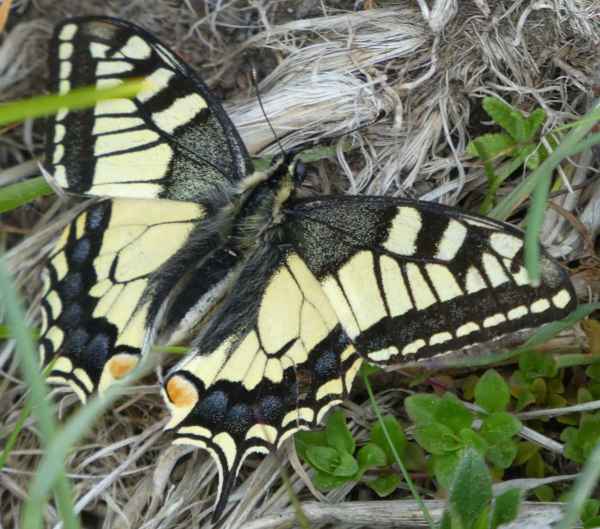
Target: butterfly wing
409,280
172,141
273,360
96,308
174,149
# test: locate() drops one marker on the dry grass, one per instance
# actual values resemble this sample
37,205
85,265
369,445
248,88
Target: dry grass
325,70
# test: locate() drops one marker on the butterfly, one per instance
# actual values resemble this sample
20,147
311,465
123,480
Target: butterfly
293,294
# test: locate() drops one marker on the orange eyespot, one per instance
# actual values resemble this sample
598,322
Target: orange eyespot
121,365
182,393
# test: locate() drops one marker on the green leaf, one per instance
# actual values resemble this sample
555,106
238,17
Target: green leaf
471,490
500,426
325,482
492,392
510,119
502,454
535,467
580,442
421,407
323,458
593,372
437,438
371,456
396,434
452,413
446,521
338,435
535,364
304,439
544,493
474,440
489,146
444,468
384,485
506,507
347,467
533,123
525,451
15,195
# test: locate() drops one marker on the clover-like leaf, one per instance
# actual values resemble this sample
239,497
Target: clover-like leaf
492,392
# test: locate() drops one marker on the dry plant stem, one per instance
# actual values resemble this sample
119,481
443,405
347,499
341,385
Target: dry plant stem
399,514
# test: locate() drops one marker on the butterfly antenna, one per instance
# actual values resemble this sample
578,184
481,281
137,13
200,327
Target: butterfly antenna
253,76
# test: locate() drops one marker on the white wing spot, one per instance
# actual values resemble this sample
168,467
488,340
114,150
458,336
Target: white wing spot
403,232
540,306
440,337
451,241
506,245
494,320
420,289
67,32
494,270
466,329
517,312
413,347
561,300
383,355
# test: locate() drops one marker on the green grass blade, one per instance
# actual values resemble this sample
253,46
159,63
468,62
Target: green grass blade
78,98
566,148
42,410
15,195
582,489
51,466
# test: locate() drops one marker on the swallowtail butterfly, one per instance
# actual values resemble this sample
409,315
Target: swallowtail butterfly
294,294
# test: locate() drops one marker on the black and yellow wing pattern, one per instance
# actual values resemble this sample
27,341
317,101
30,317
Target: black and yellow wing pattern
164,160
294,294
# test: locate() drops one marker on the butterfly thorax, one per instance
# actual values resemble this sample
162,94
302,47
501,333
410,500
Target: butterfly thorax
259,209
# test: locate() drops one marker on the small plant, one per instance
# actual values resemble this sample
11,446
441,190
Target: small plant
471,504
336,459
518,145
445,428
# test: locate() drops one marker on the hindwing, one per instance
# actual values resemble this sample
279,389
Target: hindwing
273,360
172,141
96,307
410,280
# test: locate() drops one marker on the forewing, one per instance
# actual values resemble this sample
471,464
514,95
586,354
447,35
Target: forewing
409,280
173,140
95,308
274,359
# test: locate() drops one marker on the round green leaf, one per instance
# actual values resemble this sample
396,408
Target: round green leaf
338,435
444,468
384,485
347,467
437,438
452,413
327,482
421,407
371,456
323,458
500,426
492,392
396,434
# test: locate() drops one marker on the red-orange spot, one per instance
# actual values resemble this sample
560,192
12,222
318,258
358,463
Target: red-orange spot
182,392
121,365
